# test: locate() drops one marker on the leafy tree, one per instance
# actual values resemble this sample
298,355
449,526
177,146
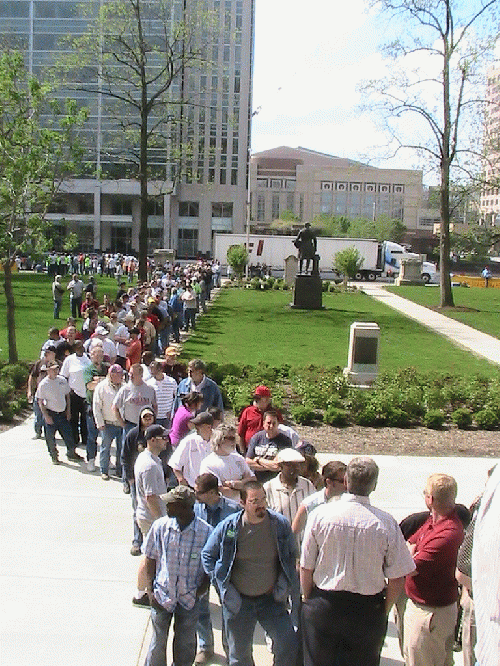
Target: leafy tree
237,258
34,158
143,49
452,41
334,226
382,228
286,222
347,262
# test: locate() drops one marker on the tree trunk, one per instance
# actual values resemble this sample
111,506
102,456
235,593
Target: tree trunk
143,179
11,323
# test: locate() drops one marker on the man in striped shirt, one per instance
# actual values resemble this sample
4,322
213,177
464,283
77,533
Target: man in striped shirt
287,490
165,388
175,580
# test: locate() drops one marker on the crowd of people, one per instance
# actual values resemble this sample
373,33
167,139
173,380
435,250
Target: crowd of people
245,508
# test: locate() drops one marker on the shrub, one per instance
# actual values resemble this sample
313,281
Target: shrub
367,416
462,417
303,414
486,419
335,416
255,283
325,285
15,374
434,419
397,418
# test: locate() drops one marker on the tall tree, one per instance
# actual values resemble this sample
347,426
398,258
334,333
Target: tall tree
142,51
434,78
34,158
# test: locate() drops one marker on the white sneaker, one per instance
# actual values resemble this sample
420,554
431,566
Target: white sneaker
91,466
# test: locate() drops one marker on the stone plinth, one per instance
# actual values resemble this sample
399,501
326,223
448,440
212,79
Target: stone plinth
410,272
308,294
291,269
362,364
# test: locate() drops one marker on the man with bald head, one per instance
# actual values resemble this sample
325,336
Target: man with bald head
353,563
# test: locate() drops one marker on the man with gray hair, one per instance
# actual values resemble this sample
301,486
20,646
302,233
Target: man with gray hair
353,563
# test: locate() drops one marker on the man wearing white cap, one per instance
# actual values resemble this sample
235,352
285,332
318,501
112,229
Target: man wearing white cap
286,491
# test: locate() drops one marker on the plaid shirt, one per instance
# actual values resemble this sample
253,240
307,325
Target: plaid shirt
178,563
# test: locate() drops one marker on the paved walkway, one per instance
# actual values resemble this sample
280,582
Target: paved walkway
480,344
67,577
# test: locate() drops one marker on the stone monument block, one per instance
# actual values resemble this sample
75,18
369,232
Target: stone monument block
291,269
410,272
362,364
308,294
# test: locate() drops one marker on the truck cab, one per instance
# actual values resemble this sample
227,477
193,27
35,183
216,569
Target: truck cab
394,252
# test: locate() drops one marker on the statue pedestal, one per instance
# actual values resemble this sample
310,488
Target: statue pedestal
308,294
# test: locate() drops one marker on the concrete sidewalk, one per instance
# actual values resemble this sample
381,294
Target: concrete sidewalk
480,344
68,578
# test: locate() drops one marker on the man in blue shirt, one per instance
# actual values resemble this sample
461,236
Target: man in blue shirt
198,381
212,507
174,577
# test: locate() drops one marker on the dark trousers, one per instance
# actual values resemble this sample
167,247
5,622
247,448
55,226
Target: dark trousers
78,408
343,629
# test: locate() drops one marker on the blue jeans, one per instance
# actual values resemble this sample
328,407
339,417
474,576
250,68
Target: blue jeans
204,628
109,433
189,318
273,618
39,422
164,338
92,433
184,642
57,309
137,540
59,424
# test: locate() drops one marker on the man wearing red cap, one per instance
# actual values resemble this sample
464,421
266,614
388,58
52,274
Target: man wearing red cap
252,417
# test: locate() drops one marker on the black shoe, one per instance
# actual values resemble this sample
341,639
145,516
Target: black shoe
143,600
55,460
74,456
135,550
126,487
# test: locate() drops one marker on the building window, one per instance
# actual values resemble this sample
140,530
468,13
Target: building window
189,209
222,216
121,239
261,208
155,207
155,238
121,207
275,209
187,243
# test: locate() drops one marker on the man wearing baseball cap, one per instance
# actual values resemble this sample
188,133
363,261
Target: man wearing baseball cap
149,478
252,417
174,576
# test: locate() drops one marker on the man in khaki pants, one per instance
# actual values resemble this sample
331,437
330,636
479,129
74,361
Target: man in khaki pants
431,611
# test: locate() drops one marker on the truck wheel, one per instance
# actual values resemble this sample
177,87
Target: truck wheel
358,276
371,277
426,278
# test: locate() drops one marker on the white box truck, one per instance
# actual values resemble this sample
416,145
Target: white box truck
379,259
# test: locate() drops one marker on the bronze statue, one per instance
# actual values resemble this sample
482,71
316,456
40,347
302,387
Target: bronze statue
306,244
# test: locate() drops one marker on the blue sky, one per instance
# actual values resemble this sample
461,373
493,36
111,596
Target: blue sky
310,57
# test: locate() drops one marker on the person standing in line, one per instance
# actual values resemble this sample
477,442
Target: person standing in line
53,399
174,577
286,491
251,558
72,369
75,288
165,388
192,449
198,381
431,611
106,421
57,295
264,446
350,549
213,508
93,374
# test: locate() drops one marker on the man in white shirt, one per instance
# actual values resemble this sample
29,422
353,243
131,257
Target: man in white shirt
350,549
75,287
187,457
165,388
53,399
72,369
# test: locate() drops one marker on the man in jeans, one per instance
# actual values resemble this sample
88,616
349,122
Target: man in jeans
174,577
53,399
251,557
105,418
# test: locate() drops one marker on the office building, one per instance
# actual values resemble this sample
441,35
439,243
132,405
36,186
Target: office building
490,195
308,183
193,196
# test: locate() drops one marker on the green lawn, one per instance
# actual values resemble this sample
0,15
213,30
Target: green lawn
484,304
250,327
35,311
